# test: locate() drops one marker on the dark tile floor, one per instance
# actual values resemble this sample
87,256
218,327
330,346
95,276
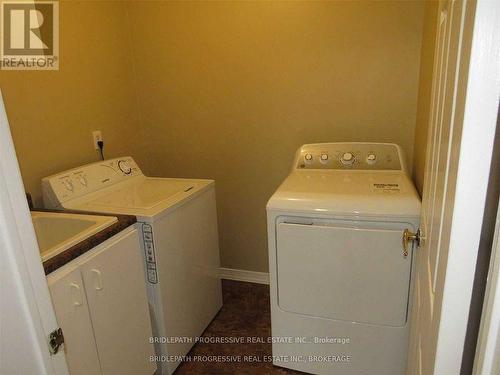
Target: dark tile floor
246,313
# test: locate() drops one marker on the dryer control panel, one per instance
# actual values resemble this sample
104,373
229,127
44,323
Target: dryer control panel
350,156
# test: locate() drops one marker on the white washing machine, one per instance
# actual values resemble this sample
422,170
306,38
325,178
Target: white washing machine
340,278
178,224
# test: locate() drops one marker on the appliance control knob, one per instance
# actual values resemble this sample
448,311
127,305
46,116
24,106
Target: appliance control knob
324,158
308,158
371,158
68,185
347,158
124,167
82,180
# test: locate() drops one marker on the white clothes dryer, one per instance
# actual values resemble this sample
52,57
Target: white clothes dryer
340,278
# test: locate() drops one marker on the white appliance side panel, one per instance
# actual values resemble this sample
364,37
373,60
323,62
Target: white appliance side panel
116,293
70,304
187,256
350,274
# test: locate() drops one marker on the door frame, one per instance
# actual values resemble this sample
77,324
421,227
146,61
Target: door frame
488,344
476,112
19,250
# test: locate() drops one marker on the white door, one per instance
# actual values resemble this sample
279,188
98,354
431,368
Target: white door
119,308
26,313
461,132
70,304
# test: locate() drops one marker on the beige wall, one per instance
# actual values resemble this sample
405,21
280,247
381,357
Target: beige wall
52,114
424,91
229,91
226,90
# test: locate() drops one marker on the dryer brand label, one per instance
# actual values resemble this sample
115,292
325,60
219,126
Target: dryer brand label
386,187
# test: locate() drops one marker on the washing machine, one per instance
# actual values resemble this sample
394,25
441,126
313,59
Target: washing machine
340,277
177,222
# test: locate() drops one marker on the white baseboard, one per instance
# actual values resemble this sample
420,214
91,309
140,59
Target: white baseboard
244,275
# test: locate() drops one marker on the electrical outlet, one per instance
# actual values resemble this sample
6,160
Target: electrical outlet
97,136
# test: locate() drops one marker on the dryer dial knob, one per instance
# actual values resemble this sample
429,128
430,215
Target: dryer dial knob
124,167
308,158
347,158
324,158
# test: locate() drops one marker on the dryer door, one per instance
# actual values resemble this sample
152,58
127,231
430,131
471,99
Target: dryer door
353,271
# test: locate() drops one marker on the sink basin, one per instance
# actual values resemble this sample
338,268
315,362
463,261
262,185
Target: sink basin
57,232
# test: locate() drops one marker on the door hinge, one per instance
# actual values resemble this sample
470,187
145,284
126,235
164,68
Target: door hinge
56,339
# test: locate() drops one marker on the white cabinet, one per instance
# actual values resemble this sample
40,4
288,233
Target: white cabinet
101,305
116,291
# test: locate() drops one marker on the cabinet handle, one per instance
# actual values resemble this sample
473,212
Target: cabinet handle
79,301
98,279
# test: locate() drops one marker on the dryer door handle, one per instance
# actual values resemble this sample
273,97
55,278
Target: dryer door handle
410,236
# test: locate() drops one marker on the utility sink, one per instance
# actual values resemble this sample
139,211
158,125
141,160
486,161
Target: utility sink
57,232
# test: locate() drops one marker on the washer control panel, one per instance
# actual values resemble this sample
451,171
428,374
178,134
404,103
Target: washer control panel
350,155
149,253
86,179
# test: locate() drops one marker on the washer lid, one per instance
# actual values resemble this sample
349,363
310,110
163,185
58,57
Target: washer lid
357,193
142,196
145,194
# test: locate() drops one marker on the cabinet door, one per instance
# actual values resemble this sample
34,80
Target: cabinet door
70,305
116,292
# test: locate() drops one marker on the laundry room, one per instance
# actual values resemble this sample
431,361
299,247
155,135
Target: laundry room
256,170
